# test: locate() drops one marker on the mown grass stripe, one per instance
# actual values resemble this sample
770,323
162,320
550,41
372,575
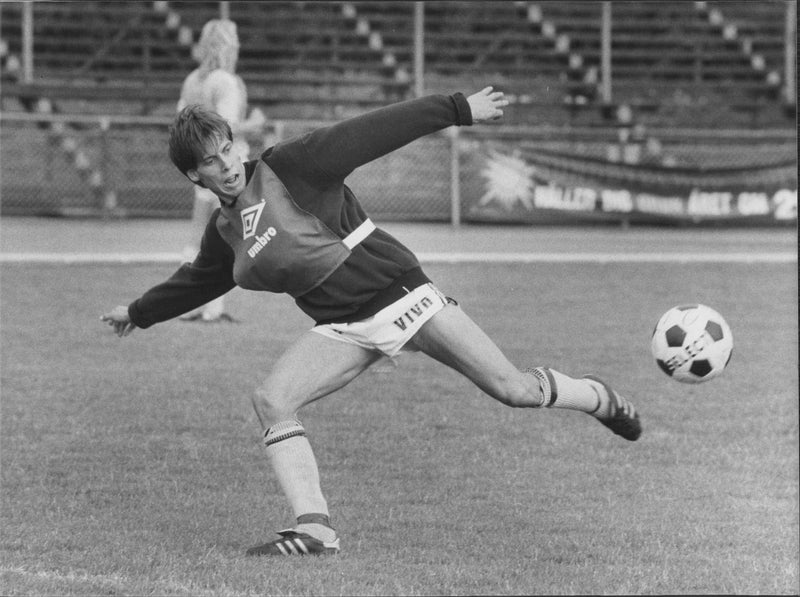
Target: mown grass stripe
114,581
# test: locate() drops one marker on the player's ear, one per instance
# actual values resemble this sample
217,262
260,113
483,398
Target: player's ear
193,176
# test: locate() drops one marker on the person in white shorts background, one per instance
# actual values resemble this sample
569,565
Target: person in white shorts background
288,223
215,85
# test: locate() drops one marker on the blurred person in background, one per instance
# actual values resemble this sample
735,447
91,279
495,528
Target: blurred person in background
288,223
215,86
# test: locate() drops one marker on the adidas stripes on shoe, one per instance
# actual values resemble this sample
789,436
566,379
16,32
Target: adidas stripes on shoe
623,418
293,543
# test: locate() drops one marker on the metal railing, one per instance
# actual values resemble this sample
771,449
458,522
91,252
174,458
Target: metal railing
114,166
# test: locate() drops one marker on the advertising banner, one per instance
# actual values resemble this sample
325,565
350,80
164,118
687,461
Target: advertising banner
512,182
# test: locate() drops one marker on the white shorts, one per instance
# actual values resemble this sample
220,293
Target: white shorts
392,327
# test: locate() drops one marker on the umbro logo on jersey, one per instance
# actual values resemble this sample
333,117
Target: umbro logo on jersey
250,217
261,241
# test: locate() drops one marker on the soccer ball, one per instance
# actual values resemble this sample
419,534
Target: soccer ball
692,343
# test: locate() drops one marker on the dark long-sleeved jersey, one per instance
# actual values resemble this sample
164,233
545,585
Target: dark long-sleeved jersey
310,170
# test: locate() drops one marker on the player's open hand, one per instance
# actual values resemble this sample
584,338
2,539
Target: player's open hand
487,104
119,319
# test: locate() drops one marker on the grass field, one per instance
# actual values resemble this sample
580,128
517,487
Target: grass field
135,467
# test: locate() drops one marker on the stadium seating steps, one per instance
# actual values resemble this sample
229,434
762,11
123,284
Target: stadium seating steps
670,61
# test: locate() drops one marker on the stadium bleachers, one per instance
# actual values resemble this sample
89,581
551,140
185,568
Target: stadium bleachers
301,54
675,65
325,59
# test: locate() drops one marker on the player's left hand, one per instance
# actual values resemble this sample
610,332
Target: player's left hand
119,319
486,105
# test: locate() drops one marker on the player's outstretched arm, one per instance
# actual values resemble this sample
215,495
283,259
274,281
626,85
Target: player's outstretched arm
119,319
487,104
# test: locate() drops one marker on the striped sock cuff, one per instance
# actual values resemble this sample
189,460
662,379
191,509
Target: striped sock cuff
315,518
283,430
546,383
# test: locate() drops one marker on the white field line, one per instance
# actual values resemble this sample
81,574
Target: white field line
120,583
609,257
66,258
435,257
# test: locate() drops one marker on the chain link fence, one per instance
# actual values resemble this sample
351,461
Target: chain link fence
118,167
90,166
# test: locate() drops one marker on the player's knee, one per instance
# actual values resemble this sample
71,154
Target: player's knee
271,406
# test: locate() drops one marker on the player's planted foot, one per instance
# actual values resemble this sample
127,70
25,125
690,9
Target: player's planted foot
620,416
293,543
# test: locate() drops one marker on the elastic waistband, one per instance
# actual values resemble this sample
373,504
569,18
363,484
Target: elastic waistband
401,286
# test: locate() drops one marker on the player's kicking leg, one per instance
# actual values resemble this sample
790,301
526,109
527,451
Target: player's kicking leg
313,367
454,339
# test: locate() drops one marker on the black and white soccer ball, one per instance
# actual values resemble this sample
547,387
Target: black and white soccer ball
692,343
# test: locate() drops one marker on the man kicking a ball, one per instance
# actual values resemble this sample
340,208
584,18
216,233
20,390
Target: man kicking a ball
287,223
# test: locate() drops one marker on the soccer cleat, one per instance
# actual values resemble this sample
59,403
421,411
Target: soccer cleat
293,543
624,420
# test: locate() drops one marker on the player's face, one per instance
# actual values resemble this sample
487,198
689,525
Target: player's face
220,169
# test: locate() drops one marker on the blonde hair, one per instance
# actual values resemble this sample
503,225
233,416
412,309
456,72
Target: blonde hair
218,47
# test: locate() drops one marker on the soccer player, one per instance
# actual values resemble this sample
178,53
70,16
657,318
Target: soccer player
215,85
288,223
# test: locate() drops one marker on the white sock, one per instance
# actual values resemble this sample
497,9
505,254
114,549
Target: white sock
317,525
562,391
294,464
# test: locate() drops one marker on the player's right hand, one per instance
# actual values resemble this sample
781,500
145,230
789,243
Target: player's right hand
119,319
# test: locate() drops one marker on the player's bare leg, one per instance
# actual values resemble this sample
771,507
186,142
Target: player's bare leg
454,339
313,367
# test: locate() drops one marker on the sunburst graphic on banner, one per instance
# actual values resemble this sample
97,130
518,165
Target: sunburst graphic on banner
509,180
